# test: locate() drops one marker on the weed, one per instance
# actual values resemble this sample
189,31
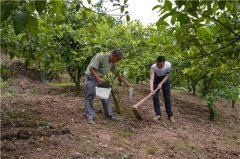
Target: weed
37,91
238,142
126,133
191,146
151,150
63,84
3,84
13,114
173,147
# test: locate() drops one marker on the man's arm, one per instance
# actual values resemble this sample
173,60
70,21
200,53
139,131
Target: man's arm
121,78
151,79
164,80
97,77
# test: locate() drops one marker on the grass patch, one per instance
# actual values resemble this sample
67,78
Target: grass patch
238,142
151,150
13,114
126,133
62,84
186,146
3,84
7,94
37,91
191,146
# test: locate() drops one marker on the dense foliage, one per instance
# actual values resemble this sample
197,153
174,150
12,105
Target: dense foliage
208,34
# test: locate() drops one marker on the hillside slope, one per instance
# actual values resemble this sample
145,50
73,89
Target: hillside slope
48,121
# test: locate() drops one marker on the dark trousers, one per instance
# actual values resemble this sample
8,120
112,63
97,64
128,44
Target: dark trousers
166,95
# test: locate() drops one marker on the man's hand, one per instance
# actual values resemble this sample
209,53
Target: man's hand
159,86
100,80
129,85
153,92
120,78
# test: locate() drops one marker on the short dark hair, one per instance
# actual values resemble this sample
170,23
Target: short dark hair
117,53
161,59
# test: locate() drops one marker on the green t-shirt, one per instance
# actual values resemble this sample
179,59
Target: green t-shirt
102,65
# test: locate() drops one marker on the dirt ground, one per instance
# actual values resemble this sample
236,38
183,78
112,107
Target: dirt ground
47,120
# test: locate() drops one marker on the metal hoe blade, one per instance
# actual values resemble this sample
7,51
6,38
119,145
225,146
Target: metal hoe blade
136,113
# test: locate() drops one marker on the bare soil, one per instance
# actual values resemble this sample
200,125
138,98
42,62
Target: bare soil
47,120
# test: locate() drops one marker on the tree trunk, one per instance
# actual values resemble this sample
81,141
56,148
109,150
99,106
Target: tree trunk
78,80
116,102
206,86
212,111
194,88
76,77
233,103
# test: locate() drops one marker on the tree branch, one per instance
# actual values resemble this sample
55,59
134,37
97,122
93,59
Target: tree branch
215,50
229,29
112,10
217,42
104,13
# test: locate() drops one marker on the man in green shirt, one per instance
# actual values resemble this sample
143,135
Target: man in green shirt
99,66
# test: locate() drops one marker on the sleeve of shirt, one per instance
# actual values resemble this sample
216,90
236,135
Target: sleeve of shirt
96,62
153,67
169,69
114,69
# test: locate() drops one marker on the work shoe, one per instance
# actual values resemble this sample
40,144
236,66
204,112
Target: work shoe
171,118
113,118
157,117
91,121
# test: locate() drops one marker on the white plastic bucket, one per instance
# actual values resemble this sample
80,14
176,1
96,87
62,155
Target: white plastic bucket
103,93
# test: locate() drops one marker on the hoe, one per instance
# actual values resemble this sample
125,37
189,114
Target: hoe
134,107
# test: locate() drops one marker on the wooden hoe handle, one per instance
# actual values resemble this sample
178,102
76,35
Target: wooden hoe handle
139,103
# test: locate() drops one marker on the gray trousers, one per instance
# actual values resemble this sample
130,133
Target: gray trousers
90,93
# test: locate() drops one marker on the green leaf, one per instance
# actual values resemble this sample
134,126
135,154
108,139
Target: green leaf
195,5
128,18
57,6
194,14
6,9
236,6
157,6
116,4
122,9
168,5
20,22
161,20
40,6
184,19
221,4
32,25
180,3
210,74
89,1
173,19
209,8
188,7
77,7
186,70
60,19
